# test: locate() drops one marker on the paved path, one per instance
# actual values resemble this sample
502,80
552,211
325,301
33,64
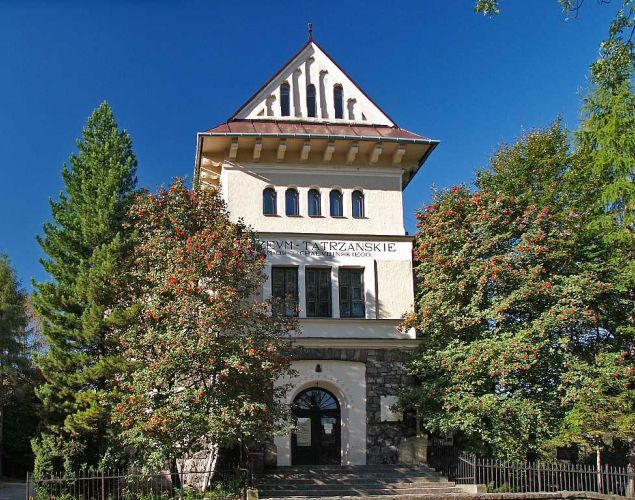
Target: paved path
12,491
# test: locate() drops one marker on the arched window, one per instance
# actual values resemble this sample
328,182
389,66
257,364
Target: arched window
285,106
335,199
338,98
358,204
310,100
315,208
269,201
291,200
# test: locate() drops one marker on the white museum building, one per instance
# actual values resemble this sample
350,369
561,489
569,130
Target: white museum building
318,170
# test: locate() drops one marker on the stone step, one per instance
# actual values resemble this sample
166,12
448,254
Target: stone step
361,485
359,492
421,496
349,475
302,468
390,481
319,481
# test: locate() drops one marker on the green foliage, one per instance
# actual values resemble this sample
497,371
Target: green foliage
492,8
533,169
84,245
601,392
607,138
500,307
206,353
593,188
13,323
13,361
20,425
602,396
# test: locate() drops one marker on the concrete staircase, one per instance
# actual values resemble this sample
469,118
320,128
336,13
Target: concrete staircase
394,482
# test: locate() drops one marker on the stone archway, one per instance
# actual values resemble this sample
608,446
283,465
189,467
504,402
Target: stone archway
317,436
346,380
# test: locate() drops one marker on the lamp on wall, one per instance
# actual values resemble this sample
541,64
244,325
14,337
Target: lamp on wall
318,368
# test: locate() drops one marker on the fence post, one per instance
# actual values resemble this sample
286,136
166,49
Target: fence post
598,456
474,469
103,486
28,483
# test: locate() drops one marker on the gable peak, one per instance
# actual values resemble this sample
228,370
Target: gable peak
312,87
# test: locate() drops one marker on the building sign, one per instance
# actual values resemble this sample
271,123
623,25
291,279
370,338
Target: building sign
387,413
337,249
303,432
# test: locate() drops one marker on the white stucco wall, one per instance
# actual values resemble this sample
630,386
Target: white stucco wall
395,288
242,186
347,381
350,328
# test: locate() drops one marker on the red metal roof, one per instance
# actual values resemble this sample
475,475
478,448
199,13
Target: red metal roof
291,128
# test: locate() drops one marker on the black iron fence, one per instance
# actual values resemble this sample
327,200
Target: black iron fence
524,477
139,485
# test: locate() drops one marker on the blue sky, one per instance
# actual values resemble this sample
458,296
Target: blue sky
172,68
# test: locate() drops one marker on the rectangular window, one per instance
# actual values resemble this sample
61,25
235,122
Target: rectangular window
284,289
318,292
351,283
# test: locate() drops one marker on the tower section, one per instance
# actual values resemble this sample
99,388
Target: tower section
318,170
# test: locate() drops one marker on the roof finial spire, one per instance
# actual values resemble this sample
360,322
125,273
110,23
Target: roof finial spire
310,31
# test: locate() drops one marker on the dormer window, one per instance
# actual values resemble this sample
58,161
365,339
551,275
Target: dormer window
335,200
291,201
269,201
338,98
358,204
310,101
285,105
315,209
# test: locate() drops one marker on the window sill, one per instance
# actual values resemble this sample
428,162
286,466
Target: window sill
294,215
271,215
338,217
330,318
316,216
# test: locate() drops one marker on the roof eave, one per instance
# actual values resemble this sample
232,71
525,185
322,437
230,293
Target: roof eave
289,135
433,145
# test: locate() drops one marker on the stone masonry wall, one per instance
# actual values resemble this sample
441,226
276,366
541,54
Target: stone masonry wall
385,375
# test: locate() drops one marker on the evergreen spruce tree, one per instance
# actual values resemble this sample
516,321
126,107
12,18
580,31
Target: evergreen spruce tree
13,322
84,245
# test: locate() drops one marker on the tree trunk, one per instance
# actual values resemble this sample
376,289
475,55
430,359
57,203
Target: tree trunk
210,465
175,477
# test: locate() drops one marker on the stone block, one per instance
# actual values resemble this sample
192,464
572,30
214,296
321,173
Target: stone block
414,450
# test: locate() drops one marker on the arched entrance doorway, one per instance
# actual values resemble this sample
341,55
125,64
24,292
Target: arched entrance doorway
317,439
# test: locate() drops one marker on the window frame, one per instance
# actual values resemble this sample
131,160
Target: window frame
292,191
362,208
318,199
285,99
338,101
311,95
348,300
340,198
274,201
290,304
317,285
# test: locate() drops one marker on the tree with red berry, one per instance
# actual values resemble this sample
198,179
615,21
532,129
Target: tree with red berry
502,309
205,351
